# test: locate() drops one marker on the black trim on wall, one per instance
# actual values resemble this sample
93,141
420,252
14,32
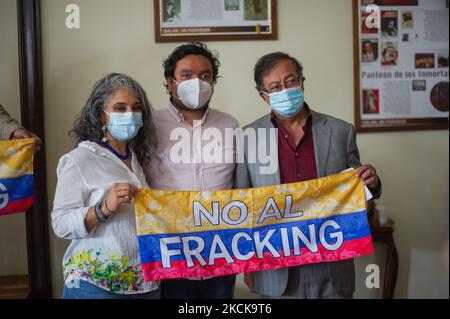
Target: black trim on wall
32,109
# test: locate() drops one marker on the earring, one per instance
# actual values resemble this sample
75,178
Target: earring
104,139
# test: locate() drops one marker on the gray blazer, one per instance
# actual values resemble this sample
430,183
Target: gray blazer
335,150
7,124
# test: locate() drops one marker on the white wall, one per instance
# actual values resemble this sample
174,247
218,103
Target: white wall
13,255
117,36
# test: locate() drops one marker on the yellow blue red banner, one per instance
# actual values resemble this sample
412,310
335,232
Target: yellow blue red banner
185,234
16,176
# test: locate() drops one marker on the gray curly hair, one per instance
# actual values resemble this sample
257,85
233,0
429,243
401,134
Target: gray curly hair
88,127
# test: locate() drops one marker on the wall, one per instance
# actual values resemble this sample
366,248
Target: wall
117,36
13,254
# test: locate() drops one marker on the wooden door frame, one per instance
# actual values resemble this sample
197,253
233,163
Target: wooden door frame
32,116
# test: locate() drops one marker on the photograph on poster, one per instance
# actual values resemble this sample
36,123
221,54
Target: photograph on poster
231,5
389,55
371,101
389,23
425,61
419,85
171,10
365,29
407,19
255,10
439,97
442,58
369,50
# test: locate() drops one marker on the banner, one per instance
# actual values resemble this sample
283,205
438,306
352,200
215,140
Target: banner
186,234
16,176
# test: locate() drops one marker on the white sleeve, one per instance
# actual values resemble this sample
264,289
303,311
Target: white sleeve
69,206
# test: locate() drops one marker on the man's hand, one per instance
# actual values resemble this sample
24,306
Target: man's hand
248,280
22,133
368,174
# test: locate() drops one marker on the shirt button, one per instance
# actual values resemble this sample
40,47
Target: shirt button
296,154
286,136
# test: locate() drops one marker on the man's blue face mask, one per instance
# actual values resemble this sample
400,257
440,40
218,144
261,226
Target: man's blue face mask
288,102
124,126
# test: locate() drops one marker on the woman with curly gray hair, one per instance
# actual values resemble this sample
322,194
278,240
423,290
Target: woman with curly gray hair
96,185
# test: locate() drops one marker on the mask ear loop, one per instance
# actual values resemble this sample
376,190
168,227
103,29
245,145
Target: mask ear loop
173,95
166,85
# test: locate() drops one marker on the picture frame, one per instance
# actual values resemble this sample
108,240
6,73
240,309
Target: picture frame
215,20
398,87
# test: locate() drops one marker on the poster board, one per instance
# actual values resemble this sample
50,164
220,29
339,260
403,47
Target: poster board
214,20
401,50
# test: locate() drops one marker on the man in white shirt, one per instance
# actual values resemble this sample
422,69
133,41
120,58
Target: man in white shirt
183,129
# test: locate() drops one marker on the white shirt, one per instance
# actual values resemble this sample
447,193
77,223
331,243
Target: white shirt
165,174
108,256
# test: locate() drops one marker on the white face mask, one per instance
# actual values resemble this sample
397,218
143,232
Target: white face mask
194,93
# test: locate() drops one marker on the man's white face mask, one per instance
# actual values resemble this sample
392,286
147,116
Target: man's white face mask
194,93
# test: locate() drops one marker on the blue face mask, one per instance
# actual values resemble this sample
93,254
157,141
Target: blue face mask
124,126
287,103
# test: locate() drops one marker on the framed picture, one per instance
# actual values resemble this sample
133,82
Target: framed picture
215,20
401,65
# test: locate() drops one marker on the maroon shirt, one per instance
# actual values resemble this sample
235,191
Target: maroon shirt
297,162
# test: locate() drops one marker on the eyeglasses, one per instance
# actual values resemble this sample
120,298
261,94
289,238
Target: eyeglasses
289,84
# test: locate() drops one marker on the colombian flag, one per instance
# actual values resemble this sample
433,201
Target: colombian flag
184,234
16,176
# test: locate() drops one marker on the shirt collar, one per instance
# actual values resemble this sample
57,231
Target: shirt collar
95,148
179,116
102,151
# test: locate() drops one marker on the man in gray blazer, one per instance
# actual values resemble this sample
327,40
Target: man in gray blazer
309,145
11,129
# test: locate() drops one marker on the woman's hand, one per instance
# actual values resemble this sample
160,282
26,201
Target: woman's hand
120,194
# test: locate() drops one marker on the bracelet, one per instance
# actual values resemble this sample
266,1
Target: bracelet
98,213
109,211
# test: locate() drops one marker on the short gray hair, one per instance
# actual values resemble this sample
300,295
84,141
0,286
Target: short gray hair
88,126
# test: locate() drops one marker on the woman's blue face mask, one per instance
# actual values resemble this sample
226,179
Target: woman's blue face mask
124,126
288,102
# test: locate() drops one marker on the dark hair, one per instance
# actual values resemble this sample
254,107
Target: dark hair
88,126
268,62
195,48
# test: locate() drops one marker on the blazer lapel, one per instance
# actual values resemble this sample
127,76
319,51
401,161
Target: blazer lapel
322,139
